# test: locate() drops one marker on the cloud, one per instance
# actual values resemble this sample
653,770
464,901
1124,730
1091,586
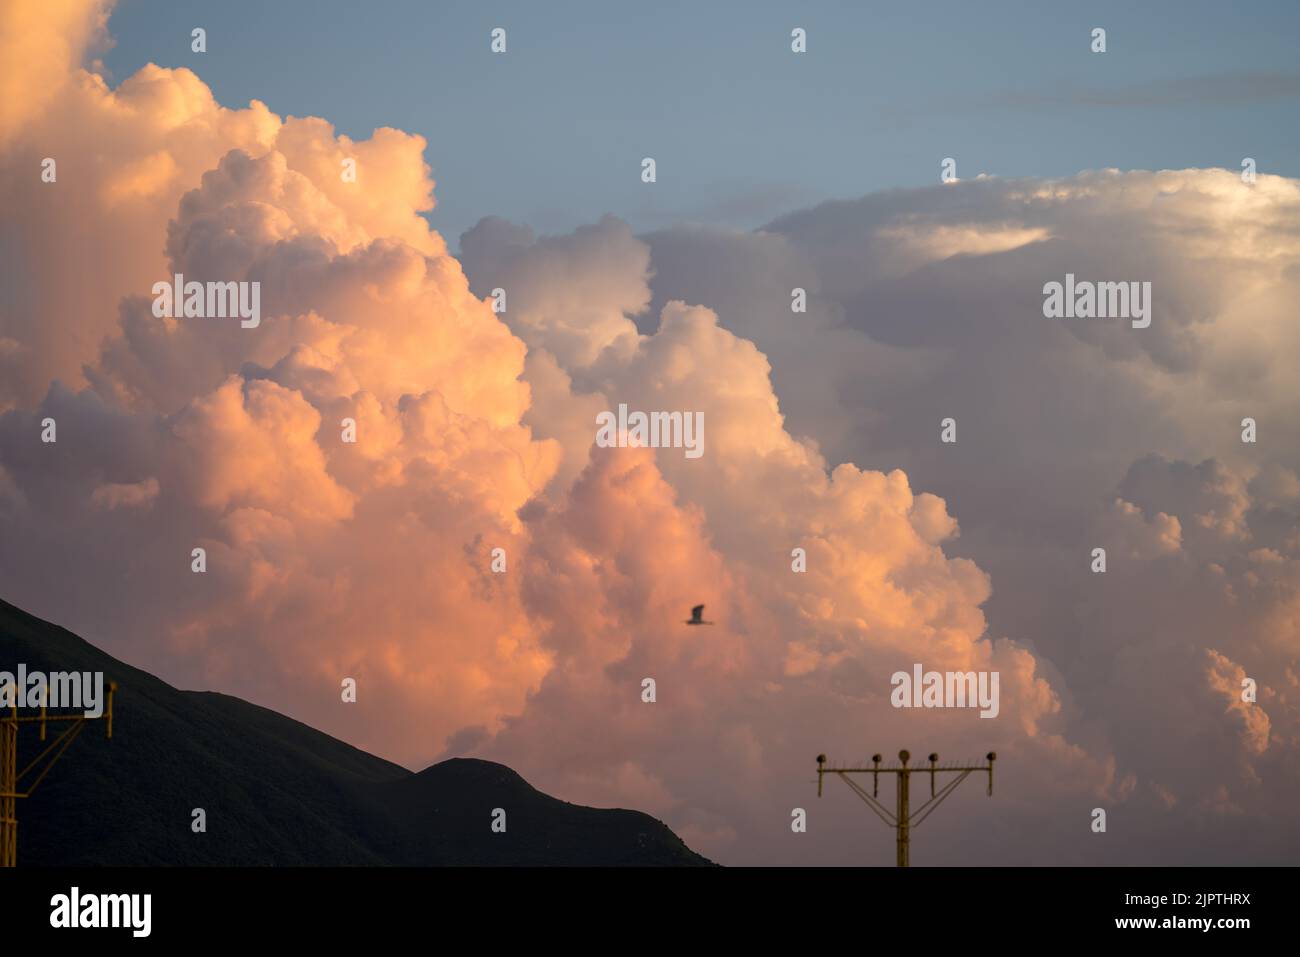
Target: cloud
1204,91
927,303
155,136
41,47
1225,89
326,559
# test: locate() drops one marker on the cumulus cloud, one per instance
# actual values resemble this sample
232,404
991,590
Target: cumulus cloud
326,559
474,430
154,137
926,304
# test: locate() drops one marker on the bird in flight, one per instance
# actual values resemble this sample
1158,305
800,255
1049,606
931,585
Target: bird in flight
697,616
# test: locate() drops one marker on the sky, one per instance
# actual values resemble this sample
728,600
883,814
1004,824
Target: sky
394,476
553,133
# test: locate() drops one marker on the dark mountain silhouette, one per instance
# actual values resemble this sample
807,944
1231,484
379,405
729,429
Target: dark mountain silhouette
277,792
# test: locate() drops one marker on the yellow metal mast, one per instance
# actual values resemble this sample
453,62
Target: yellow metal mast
903,819
10,776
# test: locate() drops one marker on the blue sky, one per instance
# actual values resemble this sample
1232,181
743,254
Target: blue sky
552,133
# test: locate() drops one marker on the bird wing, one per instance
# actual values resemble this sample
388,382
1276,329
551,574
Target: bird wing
697,612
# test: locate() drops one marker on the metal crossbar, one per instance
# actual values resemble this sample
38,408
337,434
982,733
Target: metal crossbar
10,775
903,820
